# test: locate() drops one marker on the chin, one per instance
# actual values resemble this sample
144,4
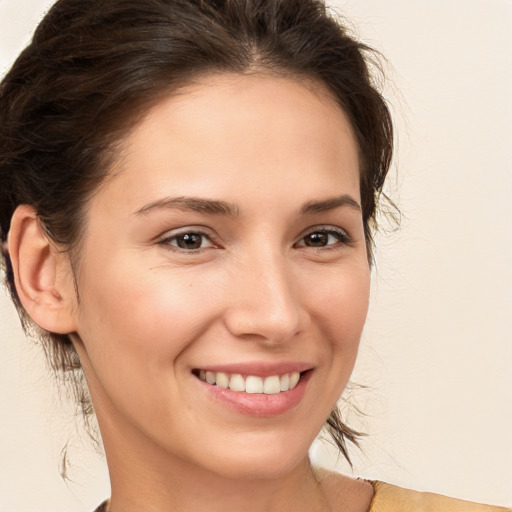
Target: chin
259,459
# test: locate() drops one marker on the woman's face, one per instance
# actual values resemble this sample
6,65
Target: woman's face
227,246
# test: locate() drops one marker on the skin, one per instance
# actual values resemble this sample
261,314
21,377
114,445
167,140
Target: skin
255,290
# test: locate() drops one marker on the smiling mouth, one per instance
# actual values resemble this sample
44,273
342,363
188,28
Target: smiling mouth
252,384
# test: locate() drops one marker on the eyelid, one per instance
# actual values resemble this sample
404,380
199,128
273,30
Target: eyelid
344,238
198,230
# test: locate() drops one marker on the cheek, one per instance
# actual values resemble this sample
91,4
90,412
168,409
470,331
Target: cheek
152,315
135,329
340,306
340,314
138,324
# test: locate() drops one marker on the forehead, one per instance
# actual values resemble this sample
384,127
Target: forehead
237,132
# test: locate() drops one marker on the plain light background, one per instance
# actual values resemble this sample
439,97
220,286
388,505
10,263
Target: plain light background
436,354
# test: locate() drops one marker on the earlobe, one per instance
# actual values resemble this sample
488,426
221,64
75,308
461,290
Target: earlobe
42,275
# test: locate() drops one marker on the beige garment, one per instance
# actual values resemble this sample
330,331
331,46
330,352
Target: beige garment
390,498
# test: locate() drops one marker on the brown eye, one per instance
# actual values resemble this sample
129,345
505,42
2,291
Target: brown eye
319,239
325,238
190,241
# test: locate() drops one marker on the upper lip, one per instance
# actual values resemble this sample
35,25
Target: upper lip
260,369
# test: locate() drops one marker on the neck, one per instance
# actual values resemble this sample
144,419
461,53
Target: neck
146,477
167,484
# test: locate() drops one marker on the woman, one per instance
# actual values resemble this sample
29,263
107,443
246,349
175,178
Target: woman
188,196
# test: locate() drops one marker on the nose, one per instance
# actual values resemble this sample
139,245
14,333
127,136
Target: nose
265,302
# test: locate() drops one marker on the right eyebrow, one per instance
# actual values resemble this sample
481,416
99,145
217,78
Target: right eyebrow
192,204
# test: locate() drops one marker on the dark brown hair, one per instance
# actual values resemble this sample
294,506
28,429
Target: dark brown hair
94,67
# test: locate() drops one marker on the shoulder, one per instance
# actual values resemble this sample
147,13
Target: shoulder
343,492
391,498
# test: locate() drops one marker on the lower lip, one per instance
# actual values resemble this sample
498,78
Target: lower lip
259,404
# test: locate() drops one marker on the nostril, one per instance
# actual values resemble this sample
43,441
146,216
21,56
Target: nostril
270,328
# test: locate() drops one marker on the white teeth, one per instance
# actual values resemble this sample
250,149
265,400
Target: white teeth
251,384
272,385
294,379
285,382
237,383
222,380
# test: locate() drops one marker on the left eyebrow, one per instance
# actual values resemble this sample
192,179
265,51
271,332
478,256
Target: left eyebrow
326,205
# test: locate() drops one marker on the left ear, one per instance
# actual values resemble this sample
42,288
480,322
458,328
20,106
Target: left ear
42,274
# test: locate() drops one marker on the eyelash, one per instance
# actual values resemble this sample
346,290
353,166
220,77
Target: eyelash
342,237
168,241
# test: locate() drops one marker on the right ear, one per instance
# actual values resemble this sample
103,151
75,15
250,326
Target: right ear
42,274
